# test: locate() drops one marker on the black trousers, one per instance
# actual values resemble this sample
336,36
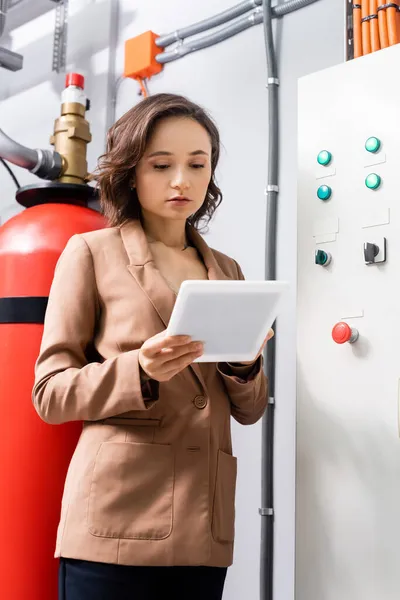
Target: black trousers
84,580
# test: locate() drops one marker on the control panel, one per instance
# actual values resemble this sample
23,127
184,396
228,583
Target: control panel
348,332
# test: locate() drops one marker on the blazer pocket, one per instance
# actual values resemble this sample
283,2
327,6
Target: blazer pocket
131,492
223,523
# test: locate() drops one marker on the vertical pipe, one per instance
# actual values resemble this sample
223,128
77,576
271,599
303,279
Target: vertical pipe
366,40
398,17
267,492
357,30
391,19
383,32
374,29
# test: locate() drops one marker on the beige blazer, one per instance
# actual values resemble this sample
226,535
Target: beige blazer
152,480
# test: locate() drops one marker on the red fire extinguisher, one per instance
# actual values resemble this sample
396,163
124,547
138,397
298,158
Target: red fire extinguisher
34,456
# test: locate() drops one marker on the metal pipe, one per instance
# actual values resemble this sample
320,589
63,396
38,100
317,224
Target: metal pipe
254,18
206,24
228,15
287,7
267,459
43,163
3,15
16,153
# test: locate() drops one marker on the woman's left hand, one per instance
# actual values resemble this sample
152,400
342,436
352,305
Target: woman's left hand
270,335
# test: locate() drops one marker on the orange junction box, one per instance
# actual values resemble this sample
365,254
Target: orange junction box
140,56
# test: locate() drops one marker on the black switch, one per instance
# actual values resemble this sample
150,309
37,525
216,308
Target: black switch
371,251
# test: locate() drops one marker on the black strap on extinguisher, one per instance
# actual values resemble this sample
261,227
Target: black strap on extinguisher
23,309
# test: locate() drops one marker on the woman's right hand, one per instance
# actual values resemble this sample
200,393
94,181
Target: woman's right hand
162,357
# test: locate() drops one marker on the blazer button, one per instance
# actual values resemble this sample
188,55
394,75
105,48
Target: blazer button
200,402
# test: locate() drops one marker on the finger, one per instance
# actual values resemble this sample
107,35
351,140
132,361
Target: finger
177,351
271,334
178,364
154,345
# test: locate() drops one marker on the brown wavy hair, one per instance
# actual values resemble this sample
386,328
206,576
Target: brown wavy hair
126,143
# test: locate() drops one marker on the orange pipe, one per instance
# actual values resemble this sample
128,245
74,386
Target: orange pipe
365,29
357,31
391,19
373,24
383,30
398,17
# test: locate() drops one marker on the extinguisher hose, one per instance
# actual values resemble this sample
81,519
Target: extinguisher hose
45,164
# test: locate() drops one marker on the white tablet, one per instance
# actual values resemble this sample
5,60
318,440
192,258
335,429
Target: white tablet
231,318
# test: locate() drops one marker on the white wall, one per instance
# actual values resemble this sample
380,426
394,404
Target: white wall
229,80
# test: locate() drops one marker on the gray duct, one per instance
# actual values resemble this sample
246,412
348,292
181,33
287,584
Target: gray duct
287,7
45,164
254,18
223,18
210,23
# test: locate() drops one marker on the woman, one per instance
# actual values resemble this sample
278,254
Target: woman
148,505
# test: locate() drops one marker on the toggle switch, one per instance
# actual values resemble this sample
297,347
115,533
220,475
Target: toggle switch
324,192
322,258
342,333
375,251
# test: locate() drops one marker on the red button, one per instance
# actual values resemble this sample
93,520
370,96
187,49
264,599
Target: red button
342,333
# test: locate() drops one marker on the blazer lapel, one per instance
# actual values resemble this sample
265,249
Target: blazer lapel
142,267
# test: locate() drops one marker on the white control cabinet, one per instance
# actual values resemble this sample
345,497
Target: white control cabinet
348,446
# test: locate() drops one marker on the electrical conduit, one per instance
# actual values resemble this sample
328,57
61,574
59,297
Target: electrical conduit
382,24
254,18
357,30
391,19
228,15
374,28
267,492
366,40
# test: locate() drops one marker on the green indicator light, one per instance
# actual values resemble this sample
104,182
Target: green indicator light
324,192
324,158
372,144
373,181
